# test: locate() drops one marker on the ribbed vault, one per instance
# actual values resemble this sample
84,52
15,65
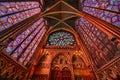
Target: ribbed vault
61,13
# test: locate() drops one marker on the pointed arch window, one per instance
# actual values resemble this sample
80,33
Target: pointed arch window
12,13
23,47
61,61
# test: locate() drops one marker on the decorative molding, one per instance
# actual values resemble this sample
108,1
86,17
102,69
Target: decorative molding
10,66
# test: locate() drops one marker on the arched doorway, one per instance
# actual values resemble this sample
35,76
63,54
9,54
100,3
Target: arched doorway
66,74
60,68
57,74
41,71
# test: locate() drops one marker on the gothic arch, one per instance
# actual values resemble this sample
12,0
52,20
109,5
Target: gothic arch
61,54
78,63
78,57
57,74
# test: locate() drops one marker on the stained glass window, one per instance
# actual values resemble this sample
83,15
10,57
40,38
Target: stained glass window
61,38
107,10
23,47
61,61
95,40
100,47
14,12
22,37
32,47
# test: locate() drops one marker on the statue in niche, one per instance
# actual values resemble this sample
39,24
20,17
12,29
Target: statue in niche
66,62
61,61
101,76
80,66
112,74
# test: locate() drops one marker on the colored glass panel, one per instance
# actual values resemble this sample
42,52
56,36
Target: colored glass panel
25,54
61,38
11,7
15,12
22,37
97,43
8,21
35,46
26,43
104,9
23,47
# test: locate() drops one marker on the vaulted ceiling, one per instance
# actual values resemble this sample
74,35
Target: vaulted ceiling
59,13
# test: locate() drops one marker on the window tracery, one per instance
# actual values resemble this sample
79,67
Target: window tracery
61,38
12,13
97,42
23,47
107,10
